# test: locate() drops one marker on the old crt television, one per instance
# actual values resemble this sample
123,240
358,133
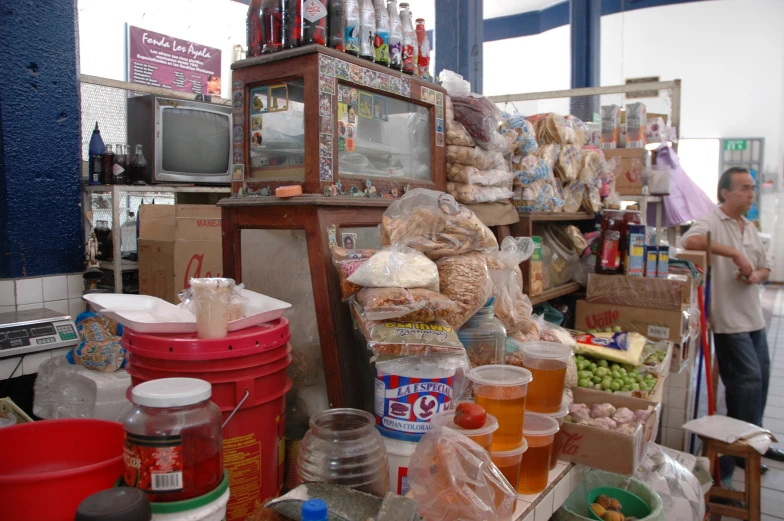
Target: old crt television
182,141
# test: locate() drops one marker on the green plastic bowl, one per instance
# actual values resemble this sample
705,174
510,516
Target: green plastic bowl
632,505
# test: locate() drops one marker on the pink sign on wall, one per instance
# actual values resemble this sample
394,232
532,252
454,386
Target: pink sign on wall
162,61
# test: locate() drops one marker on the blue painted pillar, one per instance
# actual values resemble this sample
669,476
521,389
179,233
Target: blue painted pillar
459,38
40,141
585,17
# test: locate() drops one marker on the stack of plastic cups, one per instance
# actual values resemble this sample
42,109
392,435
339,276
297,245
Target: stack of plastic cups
559,417
539,432
483,436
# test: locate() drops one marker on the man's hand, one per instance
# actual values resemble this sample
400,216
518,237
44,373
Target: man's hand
756,277
745,269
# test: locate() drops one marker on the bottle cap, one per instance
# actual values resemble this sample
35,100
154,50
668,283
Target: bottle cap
314,510
115,504
171,392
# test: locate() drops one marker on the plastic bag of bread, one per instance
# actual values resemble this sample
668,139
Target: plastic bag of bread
593,200
591,165
474,156
456,134
470,194
568,165
454,478
435,224
346,263
580,130
414,305
396,267
511,306
532,168
466,280
478,115
474,176
523,131
553,128
574,194
577,238
549,153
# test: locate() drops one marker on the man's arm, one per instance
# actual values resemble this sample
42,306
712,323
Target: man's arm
700,242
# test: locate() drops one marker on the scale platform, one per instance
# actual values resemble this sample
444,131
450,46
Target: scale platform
23,332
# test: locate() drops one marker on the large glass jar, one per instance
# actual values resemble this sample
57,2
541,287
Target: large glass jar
343,447
173,440
484,338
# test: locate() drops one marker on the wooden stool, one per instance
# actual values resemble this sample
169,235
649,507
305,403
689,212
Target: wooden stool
750,495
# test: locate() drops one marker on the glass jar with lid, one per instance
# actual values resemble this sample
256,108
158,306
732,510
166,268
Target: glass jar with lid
484,337
173,440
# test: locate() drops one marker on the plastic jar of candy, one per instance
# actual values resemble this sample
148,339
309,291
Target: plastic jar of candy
484,337
173,440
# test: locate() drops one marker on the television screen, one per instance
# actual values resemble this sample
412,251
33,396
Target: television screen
194,141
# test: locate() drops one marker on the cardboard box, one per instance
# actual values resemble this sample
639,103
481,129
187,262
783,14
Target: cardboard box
177,242
698,258
681,355
628,169
655,324
603,449
670,293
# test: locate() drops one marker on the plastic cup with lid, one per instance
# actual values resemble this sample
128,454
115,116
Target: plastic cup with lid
502,390
483,436
557,442
509,462
539,432
211,304
547,361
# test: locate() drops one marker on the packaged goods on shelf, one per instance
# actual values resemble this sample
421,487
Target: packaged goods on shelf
655,324
474,176
670,293
616,346
473,156
611,126
473,193
636,125
406,305
346,262
456,134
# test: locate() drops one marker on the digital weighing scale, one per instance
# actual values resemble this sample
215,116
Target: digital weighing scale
23,332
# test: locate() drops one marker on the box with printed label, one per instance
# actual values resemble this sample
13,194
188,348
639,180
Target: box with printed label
667,293
629,163
603,449
655,324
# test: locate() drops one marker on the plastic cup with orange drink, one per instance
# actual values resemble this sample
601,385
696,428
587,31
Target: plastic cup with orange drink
559,417
483,436
508,462
547,362
539,432
502,390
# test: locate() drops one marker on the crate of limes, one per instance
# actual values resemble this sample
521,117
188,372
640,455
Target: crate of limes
612,377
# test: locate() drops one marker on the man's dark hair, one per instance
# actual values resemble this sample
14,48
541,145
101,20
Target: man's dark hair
725,181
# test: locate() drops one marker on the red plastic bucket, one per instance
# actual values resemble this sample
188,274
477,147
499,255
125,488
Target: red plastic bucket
48,467
252,361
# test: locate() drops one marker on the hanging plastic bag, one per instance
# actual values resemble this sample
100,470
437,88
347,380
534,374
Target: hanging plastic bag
512,307
454,479
454,83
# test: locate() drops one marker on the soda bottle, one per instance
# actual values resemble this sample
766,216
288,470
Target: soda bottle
423,50
293,24
314,22
337,24
351,7
367,29
95,166
120,166
127,158
107,158
409,41
381,40
272,26
253,29
138,167
395,36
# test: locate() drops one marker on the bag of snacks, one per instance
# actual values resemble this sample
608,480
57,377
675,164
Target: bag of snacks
456,134
346,263
466,280
512,307
580,130
568,165
473,156
549,153
532,168
578,240
100,348
523,131
396,267
479,116
414,305
471,194
591,165
574,194
435,224
454,478
474,176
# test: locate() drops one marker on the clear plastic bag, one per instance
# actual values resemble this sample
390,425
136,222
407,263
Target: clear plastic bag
454,83
456,134
474,156
479,116
465,279
346,262
678,488
474,176
512,307
415,305
100,348
591,165
435,224
215,302
532,168
568,165
549,153
454,479
574,194
471,194
397,267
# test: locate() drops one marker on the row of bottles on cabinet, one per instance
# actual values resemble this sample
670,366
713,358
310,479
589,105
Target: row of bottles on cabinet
110,166
365,28
128,234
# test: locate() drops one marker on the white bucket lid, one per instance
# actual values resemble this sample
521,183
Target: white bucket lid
171,392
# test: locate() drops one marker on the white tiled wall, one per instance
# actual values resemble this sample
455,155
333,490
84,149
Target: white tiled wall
677,406
61,293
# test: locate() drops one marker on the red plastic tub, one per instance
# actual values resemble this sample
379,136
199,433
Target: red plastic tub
252,360
48,467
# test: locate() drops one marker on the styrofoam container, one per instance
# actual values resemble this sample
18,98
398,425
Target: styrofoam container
260,309
399,454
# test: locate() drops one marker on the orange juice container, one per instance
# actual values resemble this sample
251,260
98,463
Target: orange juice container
539,432
501,390
508,462
559,417
483,436
547,362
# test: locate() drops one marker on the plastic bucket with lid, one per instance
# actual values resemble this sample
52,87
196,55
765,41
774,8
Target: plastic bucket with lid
48,467
482,436
501,390
509,462
400,448
539,432
559,417
209,507
547,362
246,367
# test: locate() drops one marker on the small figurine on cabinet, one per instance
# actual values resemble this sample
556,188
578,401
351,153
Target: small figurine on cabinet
354,192
266,191
370,190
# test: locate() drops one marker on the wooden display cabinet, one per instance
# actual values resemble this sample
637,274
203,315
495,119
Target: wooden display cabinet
334,124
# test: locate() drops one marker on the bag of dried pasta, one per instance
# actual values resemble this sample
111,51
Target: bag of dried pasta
512,307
